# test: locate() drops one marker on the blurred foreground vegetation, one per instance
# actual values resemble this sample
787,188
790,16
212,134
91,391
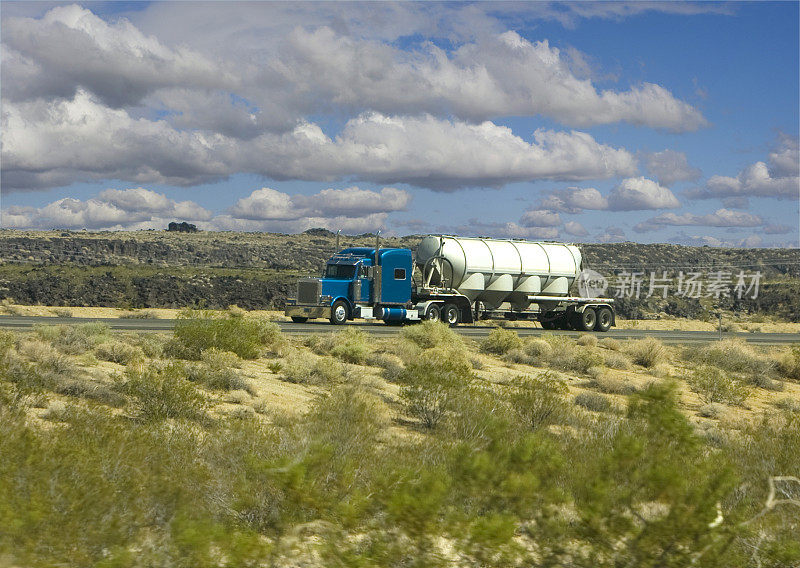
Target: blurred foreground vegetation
139,450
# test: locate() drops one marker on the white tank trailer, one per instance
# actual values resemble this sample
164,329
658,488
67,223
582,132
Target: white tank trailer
518,279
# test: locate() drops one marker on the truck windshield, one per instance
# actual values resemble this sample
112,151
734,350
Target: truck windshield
340,271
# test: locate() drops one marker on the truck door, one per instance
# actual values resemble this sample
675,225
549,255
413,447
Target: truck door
366,284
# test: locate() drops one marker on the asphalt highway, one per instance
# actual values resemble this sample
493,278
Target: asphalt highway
380,329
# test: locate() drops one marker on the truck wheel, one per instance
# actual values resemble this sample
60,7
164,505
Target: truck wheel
339,312
433,313
299,319
450,315
604,319
548,325
585,320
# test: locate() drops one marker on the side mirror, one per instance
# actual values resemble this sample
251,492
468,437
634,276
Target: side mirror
367,271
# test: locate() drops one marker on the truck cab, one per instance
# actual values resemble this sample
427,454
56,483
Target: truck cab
354,285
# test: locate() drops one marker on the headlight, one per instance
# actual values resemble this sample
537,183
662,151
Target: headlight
325,299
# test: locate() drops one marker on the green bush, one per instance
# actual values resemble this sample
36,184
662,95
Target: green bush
538,401
218,371
500,341
196,331
162,392
351,346
714,385
648,352
432,383
429,334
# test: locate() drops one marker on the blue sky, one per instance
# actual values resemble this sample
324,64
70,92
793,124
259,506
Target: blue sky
649,122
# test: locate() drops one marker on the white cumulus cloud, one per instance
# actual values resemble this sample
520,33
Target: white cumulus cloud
778,177
634,194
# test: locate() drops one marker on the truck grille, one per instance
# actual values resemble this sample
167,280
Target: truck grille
308,291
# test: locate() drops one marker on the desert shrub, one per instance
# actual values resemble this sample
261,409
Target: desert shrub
351,346
538,401
593,401
500,341
218,371
610,385
161,392
567,356
610,343
765,382
429,334
534,351
714,385
789,363
196,331
648,352
732,355
139,314
151,344
76,339
299,368
392,365
587,340
788,404
711,410
62,312
219,359
432,383
616,360
47,360
7,340
118,352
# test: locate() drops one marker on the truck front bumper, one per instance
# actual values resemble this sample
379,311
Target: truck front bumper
307,311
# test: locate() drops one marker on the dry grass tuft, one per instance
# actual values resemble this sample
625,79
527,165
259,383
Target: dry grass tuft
648,352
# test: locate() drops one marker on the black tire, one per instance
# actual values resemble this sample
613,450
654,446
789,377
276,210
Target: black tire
585,320
299,319
604,319
340,312
433,313
450,315
548,324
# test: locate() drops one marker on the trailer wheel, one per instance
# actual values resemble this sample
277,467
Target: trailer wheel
450,315
585,320
433,313
604,319
339,312
548,324
299,319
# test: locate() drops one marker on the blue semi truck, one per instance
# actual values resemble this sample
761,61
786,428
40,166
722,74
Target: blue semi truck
456,280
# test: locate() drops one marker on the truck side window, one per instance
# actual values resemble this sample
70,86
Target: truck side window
399,273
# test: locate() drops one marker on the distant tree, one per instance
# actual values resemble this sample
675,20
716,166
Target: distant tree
183,227
318,232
